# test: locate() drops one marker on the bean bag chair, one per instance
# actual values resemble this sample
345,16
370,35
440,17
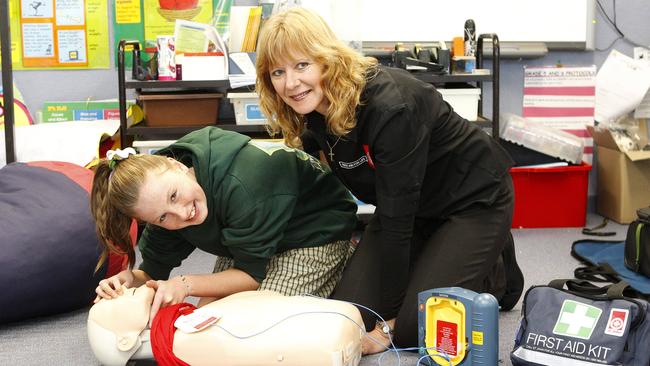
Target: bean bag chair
48,244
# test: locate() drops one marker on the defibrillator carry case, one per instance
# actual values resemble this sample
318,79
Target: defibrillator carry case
573,322
637,243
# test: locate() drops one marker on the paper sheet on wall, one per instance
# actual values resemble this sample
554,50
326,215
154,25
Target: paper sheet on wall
621,85
643,109
242,73
73,142
562,98
67,34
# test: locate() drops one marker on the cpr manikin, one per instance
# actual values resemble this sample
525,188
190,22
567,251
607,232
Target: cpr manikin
255,328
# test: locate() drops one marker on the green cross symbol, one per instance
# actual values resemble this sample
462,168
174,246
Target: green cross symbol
577,319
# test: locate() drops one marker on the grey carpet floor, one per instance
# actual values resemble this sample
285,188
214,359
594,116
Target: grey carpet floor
543,255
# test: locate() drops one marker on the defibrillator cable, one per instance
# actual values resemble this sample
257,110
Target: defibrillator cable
394,348
443,355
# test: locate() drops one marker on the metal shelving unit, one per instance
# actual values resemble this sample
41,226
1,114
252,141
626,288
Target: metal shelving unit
477,80
223,86
7,82
496,64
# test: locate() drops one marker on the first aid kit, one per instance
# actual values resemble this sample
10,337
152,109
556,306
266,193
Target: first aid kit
573,322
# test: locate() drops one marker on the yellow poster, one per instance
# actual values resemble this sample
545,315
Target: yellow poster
160,16
127,11
59,34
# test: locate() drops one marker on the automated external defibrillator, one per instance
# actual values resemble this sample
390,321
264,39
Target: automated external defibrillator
457,326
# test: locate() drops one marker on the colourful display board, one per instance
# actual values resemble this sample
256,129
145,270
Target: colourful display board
59,34
145,20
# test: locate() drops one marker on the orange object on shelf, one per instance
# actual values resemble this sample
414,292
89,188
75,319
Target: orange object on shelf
458,47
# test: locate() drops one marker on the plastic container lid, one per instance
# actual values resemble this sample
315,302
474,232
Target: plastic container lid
252,95
463,91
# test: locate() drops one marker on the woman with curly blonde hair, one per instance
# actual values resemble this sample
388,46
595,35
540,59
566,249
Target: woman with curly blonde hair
441,186
344,74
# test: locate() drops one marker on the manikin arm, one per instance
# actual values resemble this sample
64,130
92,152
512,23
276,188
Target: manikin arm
175,290
212,285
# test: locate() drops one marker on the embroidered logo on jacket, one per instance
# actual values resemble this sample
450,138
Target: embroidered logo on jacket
353,164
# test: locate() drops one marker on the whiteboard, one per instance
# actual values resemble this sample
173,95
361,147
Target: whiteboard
556,22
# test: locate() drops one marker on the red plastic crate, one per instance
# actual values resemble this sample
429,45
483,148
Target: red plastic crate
550,197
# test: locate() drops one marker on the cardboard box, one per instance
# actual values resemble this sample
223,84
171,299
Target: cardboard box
623,176
200,109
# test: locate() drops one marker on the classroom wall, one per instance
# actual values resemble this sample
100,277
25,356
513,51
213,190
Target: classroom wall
632,20
39,86
631,15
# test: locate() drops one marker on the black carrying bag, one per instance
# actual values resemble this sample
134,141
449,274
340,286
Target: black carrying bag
573,322
637,243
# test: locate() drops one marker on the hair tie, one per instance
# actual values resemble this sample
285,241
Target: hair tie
114,156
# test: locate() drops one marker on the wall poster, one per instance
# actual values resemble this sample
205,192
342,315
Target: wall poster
61,34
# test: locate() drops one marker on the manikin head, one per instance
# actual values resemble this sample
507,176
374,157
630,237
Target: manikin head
116,326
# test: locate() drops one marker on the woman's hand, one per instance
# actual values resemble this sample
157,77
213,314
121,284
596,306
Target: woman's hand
379,339
110,288
170,292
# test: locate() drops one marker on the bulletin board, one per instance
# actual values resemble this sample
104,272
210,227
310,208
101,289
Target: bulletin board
59,34
144,20
559,23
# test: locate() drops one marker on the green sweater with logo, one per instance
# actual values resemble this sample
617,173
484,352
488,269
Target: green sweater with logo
262,200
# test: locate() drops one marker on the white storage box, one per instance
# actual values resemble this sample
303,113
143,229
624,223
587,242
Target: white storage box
150,147
463,101
247,108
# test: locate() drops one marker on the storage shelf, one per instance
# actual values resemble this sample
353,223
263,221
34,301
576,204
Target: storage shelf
182,130
453,78
178,84
223,86
483,122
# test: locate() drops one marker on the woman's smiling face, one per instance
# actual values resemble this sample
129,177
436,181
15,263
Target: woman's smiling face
298,81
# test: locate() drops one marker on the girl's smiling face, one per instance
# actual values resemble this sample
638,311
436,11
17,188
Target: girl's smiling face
171,199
